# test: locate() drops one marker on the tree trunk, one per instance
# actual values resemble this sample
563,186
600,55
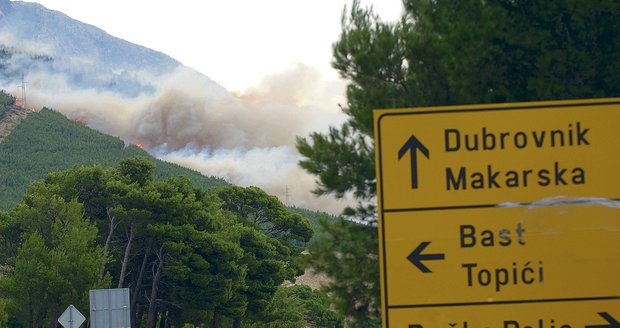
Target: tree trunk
39,320
132,232
162,318
136,291
217,320
30,313
237,322
139,315
107,245
53,323
151,317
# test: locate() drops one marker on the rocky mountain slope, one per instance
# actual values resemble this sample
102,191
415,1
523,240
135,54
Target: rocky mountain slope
9,120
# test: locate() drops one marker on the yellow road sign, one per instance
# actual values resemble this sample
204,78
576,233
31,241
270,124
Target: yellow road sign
497,206
594,314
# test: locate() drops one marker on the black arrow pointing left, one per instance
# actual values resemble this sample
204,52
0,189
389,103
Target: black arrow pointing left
611,321
416,257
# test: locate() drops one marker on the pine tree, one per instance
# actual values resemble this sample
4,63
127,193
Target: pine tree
444,53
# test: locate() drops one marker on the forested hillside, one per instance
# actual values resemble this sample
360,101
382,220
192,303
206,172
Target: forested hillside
78,203
5,100
47,141
315,218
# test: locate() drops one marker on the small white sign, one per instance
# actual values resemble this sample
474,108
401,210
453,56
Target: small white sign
71,318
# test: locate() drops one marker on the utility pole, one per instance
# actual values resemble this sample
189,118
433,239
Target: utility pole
22,99
286,195
23,92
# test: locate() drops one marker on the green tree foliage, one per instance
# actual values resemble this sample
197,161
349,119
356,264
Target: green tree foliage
137,170
271,257
346,244
32,270
266,213
204,266
47,141
294,307
288,231
286,310
266,270
313,218
317,306
448,53
184,255
6,100
55,266
4,317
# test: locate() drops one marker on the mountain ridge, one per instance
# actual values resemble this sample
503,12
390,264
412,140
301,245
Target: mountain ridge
32,22
89,56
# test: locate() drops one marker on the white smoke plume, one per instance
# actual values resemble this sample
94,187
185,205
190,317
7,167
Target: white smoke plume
247,139
178,114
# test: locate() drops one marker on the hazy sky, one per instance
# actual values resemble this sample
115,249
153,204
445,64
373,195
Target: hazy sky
234,42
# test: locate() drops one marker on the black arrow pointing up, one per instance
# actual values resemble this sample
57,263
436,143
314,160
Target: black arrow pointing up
611,322
413,145
416,257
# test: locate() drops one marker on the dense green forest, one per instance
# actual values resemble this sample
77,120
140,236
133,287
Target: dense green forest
48,141
189,256
5,101
83,210
315,218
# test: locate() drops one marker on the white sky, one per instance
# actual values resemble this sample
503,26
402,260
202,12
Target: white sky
234,42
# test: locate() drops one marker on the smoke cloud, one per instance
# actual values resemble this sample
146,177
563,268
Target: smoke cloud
246,138
178,114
